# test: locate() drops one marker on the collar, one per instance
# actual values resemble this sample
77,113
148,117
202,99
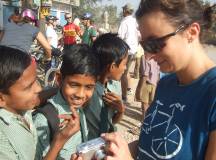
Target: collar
108,86
58,100
127,17
8,117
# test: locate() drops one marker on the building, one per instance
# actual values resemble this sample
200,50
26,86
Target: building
53,7
6,9
60,7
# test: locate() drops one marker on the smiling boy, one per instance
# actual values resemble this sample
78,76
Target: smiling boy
77,79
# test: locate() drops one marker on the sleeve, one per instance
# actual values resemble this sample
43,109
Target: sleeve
43,133
213,118
35,32
77,28
93,32
118,87
145,69
6,149
122,30
48,33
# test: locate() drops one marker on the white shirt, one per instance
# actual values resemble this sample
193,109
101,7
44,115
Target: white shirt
128,31
52,35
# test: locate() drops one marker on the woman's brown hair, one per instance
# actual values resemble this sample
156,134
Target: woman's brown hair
178,12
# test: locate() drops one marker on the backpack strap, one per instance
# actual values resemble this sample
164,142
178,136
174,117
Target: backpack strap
83,125
51,114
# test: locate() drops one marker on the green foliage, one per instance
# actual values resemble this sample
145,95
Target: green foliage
209,34
97,9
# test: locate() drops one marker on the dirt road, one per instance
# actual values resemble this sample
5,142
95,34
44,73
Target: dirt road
132,116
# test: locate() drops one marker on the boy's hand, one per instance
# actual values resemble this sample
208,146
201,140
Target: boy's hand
114,101
70,125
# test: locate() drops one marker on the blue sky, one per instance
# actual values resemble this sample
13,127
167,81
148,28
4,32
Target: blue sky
120,3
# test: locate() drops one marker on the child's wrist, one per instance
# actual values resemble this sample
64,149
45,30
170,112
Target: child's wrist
60,138
121,109
58,142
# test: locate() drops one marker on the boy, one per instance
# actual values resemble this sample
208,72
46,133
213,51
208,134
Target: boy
105,107
19,93
77,79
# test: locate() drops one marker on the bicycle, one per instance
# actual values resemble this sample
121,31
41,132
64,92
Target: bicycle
56,62
38,54
172,135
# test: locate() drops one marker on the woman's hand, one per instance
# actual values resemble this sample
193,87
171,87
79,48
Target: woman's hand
117,148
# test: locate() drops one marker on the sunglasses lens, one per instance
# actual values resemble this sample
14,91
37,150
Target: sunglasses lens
154,46
159,45
150,47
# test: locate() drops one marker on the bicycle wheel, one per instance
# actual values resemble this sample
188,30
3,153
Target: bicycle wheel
168,145
50,77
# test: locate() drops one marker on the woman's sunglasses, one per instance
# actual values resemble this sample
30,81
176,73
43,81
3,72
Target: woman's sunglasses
154,46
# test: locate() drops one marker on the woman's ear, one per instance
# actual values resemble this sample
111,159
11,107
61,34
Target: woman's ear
59,78
193,32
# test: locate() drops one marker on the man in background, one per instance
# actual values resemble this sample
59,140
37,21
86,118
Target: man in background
90,32
128,31
70,32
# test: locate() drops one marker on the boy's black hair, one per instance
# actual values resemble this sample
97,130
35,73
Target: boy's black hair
109,48
13,62
79,59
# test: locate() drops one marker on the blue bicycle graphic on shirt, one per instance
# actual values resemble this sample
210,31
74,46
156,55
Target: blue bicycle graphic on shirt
169,143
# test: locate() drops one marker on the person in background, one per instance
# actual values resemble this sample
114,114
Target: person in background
129,33
51,34
138,59
70,32
15,17
90,32
181,121
149,77
22,34
78,23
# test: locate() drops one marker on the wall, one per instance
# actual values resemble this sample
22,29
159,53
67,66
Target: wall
59,9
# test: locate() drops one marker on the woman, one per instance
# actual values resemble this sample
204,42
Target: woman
181,121
21,35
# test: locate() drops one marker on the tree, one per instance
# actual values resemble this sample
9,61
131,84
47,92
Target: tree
97,9
209,34
85,6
